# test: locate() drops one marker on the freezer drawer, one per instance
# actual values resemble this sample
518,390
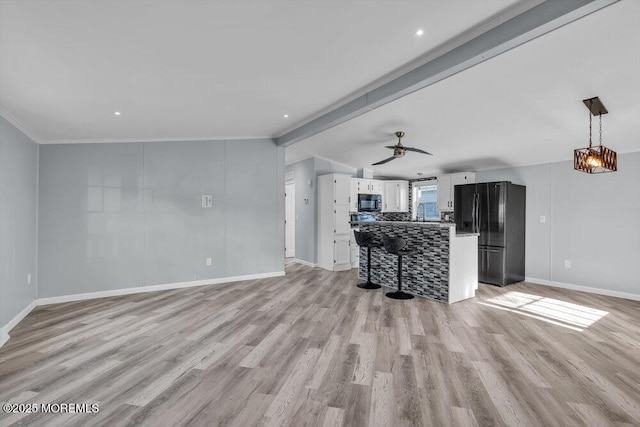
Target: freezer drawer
491,265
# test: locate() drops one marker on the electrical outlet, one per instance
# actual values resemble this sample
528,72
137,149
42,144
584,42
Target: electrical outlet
567,263
209,262
543,219
207,201
28,278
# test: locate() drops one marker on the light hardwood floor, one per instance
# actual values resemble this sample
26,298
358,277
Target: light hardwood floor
312,349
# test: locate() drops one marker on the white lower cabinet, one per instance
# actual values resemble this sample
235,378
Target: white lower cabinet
341,253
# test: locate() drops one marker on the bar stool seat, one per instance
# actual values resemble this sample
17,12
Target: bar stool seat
366,240
397,246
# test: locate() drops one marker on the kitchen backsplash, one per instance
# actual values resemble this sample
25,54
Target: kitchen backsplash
390,216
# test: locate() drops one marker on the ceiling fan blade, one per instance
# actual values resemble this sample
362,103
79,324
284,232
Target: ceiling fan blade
393,147
417,150
383,161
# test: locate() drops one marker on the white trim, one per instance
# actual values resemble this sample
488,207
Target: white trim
154,288
4,331
18,125
173,139
599,291
4,337
303,262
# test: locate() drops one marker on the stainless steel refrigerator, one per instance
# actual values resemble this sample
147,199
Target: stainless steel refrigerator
496,210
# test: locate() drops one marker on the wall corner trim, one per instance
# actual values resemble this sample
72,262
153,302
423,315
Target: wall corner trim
4,337
303,262
4,331
599,291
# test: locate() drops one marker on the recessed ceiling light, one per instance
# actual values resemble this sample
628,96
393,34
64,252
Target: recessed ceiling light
117,113
419,32
286,116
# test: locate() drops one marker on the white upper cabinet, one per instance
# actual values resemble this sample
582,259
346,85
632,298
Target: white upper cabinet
446,185
395,197
368,186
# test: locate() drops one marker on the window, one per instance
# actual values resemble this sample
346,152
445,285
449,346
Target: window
425,201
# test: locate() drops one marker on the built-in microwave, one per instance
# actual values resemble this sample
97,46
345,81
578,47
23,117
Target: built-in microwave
369,203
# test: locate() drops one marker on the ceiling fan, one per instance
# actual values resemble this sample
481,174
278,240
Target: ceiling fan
399,150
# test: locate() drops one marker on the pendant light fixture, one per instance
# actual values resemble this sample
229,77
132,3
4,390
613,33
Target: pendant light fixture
592,159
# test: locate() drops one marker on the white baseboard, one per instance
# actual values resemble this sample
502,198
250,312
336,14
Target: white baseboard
154,288
18,317
599,291
303,262
4,331
4,337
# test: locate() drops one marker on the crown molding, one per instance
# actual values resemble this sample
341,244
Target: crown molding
175,139
18,125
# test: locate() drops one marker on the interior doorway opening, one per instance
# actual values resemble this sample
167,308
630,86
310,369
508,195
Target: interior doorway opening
290,219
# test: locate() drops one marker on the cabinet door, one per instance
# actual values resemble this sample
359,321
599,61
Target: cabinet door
341,254
403,196
389,197
341,189
444,194
353,197
341,220
458,179
377,187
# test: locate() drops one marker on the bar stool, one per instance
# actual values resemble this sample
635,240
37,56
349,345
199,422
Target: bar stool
396,246
365,240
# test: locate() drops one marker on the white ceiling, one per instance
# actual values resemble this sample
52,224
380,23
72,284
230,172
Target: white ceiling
207,69
520,108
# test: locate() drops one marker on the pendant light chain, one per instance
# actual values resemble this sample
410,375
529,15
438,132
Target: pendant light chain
600,130
589,128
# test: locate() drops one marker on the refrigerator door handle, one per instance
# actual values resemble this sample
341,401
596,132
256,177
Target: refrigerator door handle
473,215
476,219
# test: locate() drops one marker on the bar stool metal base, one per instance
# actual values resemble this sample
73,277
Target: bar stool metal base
368,285
398,295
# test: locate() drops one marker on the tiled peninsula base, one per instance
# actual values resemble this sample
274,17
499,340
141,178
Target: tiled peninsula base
444,266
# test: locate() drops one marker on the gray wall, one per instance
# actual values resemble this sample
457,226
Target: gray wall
18,207
591,220
306,172
115,216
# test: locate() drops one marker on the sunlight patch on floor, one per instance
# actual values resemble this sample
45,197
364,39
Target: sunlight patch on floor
557,312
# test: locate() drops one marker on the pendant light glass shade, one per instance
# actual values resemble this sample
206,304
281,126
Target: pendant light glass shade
598,159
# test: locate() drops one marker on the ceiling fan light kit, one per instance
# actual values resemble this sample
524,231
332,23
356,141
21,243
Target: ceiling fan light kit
592,159
399,150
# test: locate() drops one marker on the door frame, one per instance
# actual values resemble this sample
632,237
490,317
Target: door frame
289,201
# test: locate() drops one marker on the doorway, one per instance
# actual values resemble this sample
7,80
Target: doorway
290,219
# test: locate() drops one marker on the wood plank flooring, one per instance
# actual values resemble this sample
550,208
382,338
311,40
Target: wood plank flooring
312,349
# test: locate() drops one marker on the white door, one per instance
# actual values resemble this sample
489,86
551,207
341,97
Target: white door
290,219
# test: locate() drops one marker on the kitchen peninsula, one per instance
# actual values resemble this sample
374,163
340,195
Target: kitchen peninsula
444,266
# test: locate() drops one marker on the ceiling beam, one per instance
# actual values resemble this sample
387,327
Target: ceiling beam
532,23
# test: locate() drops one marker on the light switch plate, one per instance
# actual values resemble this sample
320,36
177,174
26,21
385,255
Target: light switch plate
543,219
209,262
567,263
